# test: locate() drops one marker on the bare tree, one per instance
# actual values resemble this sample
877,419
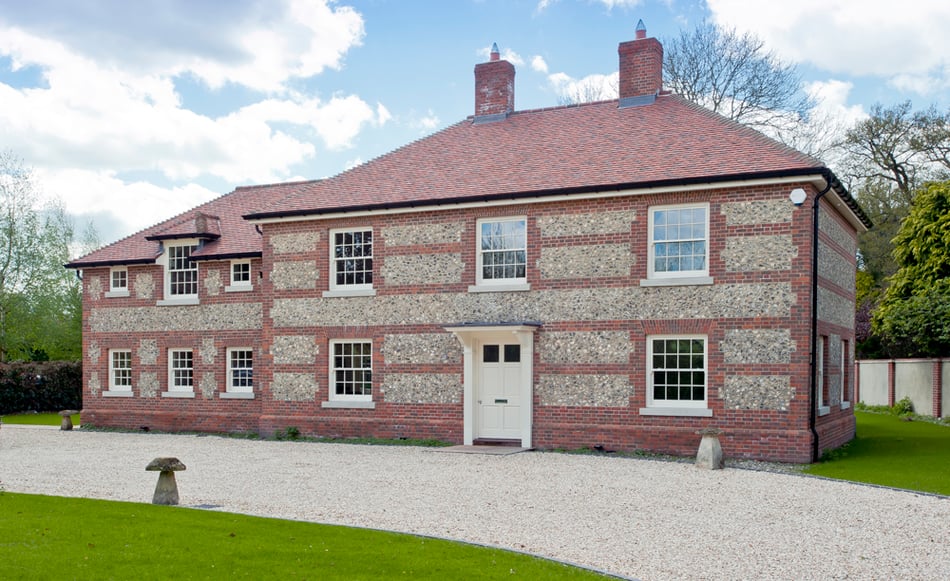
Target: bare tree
588,90
735,76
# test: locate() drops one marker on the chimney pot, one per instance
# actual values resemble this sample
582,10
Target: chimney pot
641,30
495,55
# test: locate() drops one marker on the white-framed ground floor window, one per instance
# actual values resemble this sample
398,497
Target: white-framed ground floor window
181,373
351,373
677,376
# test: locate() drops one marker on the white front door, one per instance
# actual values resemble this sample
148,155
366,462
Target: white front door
498,388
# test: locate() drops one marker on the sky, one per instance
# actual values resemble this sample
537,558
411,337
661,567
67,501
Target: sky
132,112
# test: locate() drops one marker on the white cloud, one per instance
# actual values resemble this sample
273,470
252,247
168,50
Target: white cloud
427,123
856,37
539,65
595,87
832,97
611,4
91,193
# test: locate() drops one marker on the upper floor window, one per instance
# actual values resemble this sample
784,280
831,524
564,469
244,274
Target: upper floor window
119,279
502,251
351,259
679,241
181,274
240,275
677,367
120,369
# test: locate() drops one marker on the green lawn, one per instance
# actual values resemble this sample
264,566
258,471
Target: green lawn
46,419
889,451
46,537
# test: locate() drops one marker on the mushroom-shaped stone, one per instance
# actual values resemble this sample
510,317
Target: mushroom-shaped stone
67,423
709,455
166,491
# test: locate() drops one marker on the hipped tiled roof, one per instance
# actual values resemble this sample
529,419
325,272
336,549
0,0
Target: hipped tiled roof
530,153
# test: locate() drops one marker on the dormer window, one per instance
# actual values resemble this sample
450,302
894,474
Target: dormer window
182,273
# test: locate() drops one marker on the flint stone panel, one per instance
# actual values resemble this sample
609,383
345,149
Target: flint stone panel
724,301
213,283
586,261
290,349
836,268
421,349
291,243
445,388
423,235
294,387
232,316
420,269
584,224
93,352
834,308
585,347
148,351
148,384
94,386
842,237
585,390
758,212
758,253
207,385
144,285
764,346
94,288
207,351
757,392
300,274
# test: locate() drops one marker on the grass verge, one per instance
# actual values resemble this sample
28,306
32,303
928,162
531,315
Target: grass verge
891,451
48,537
44,419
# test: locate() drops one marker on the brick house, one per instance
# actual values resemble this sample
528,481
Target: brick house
617,274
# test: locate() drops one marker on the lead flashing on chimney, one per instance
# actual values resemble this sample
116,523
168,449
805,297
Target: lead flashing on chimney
637,101
483,119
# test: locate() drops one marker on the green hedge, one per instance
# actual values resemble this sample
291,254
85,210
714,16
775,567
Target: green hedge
41,386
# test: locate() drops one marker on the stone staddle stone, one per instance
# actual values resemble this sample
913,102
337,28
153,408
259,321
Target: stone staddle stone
709,456
166,491
67,423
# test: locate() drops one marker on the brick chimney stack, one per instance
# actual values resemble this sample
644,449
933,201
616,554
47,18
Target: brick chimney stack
641,65
494,86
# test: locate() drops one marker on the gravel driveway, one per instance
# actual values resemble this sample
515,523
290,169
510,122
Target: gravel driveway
636,518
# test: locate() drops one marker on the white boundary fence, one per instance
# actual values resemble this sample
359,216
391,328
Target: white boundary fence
925,381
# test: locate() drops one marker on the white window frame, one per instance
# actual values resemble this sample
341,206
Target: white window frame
668,407
114,290
845,385
344,397
353,289
518,283
237,285
165,260
231,387
654,277
174,388
114,386
821,388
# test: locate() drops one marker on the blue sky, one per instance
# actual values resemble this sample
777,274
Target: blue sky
132,112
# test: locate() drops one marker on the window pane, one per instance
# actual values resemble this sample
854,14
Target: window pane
490,353
512,353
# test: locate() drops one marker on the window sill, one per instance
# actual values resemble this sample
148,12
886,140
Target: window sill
500,288
179,394
238,288
177,302
117,294
236,395
684,281
362,405
681,412
117,393
824,410
365,292
845,405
